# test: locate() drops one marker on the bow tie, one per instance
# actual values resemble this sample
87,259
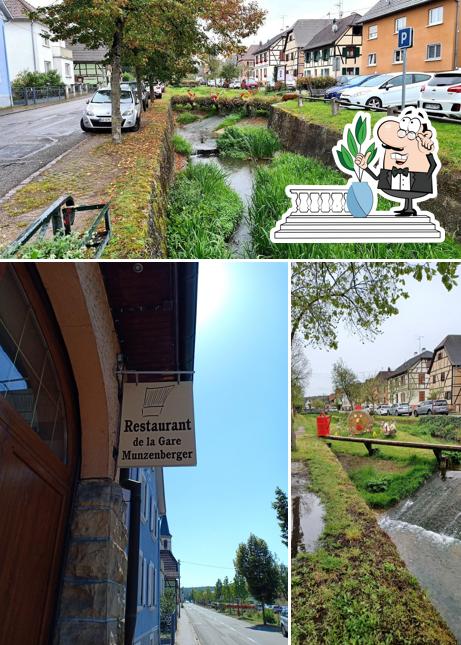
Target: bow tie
400,171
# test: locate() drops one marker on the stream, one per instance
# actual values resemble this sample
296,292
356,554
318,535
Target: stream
240,174
307,512
426,529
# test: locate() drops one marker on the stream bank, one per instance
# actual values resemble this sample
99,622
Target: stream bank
307,512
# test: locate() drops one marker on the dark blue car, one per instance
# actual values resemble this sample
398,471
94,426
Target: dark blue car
352,81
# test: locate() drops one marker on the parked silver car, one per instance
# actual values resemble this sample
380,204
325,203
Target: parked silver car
400,409
439,406
133,86
98,111
284,621
383,410
442,94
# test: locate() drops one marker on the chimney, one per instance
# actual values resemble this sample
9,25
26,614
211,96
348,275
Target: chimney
423,349
388,369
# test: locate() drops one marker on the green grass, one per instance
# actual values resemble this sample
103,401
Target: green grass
203,212
181,145
269,202
448,134
355,589
252,142
230,120
60,247
187,117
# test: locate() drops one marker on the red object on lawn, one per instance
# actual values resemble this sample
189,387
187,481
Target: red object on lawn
323,426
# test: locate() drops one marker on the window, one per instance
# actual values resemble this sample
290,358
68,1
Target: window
140,580
29,382
422,396
151,586
421,379
67,69
448,396
265,72
372,32
442,376
153,518
144,582
46,41
439,356
144,498
434,52
400,23
47,66
398,56
435,16
265,57
434,378
371,60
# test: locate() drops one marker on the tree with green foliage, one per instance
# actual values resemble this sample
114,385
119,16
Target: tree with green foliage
37,79
345,380
300,373
226,590
229,71
361,295
283,581
239,588
218,590
280,506
257,565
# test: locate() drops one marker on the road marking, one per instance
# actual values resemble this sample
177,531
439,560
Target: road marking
251,639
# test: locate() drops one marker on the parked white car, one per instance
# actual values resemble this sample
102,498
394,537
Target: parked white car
234,85
98,111
385,90
442,94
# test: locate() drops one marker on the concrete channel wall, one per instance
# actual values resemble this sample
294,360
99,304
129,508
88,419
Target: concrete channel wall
314,140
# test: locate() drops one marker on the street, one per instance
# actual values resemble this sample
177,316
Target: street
212,628
31,139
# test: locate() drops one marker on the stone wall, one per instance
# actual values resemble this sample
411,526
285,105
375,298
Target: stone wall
313,140
92,603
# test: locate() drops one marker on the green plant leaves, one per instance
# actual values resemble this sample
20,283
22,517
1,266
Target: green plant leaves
372,150
361,130
345,158
351,143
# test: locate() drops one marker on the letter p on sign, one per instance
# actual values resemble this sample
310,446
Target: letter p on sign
405,38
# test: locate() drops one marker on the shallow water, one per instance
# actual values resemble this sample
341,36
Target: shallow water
307,512
426,529
240,174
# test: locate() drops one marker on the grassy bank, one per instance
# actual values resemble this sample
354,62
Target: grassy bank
269,202
354,590
391,474
448,134
250,142
203,212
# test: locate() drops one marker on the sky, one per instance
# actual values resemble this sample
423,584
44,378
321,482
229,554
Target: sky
431,313
241,420
280,15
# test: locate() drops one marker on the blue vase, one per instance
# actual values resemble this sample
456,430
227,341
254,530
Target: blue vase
360,199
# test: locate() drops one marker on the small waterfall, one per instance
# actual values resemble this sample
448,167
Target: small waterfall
427,532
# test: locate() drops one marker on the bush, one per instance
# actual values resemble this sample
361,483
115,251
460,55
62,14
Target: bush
203,212
187,117
226,103
37,79
60,247
315,82
127,76
248,143
289,96
181,145
271,618
443,427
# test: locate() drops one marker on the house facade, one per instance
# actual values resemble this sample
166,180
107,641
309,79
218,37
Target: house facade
436,39
296,38
68,341
409,383
29,48
246,63
5,86
336,50
89,65
267,59
445,372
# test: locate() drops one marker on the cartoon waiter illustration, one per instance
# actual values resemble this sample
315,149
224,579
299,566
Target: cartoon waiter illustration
410,164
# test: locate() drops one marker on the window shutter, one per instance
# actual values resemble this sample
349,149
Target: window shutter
344,52
357,52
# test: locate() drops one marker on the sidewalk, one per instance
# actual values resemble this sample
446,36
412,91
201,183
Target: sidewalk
25,108
185,634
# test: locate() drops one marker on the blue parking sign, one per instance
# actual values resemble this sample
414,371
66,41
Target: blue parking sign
405,38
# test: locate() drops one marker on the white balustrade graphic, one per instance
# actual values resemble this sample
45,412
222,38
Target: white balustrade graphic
320,214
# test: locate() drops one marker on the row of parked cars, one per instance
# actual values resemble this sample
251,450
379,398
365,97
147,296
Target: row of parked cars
433,406
97,114
438,93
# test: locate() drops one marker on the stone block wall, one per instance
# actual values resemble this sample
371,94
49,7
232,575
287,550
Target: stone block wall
92,605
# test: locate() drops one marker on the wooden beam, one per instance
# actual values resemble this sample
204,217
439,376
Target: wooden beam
397,444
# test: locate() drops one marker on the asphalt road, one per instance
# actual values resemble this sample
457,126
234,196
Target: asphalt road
31,139
212,628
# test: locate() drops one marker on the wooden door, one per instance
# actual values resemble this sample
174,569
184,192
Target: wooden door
36,471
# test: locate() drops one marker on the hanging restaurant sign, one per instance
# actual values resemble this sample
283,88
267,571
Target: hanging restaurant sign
157,426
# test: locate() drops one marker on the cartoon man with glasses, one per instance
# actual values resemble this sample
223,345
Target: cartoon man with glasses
410,164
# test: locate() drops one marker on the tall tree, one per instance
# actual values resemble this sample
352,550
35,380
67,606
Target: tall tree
283,581
240,589
280,505
300,373
361,295
344,379
257,565
218,590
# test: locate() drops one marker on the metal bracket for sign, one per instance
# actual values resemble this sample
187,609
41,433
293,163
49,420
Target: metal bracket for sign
136,373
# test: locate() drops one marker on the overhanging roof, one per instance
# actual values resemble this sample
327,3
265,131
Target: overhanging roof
327,36
452,345
153,307
404,367
388,7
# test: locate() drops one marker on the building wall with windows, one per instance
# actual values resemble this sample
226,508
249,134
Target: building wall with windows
434,36
347,50
445,373
5,92
410,382
27,49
